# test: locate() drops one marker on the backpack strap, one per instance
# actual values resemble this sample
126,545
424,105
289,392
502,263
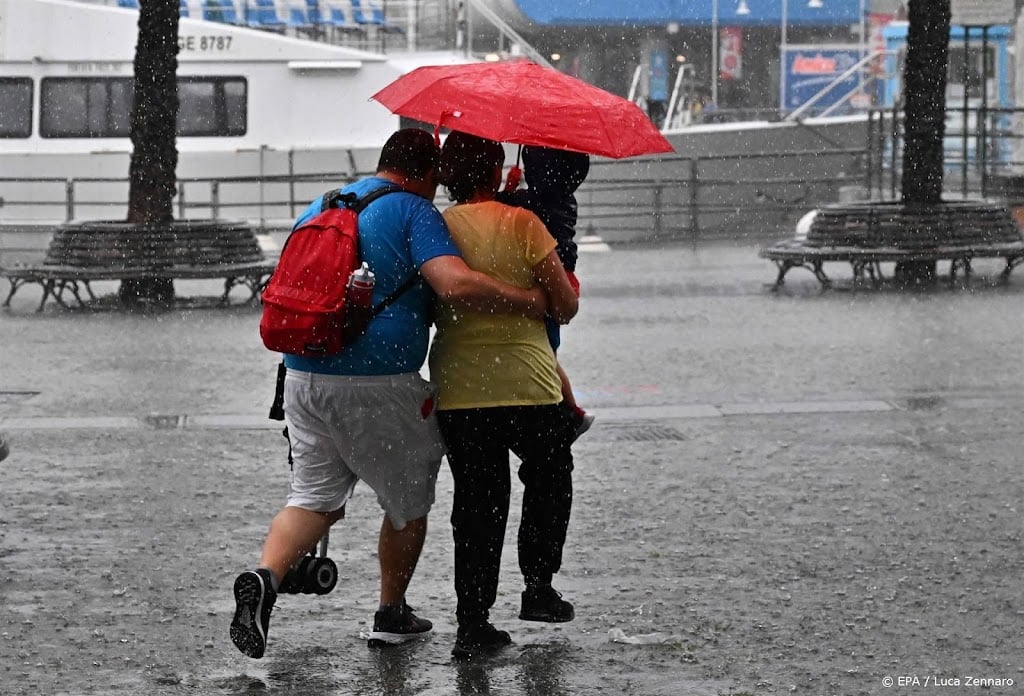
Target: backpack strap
336,199
369,198
350,200
383,304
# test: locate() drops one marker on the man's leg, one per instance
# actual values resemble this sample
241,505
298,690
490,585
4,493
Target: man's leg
293,532
399,551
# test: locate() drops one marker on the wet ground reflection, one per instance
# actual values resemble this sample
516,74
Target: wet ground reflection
408,670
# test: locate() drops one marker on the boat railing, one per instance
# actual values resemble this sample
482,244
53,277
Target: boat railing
507,33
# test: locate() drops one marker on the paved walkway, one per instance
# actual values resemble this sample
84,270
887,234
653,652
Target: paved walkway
794,492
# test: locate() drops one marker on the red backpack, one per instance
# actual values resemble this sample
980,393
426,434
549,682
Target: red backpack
304,300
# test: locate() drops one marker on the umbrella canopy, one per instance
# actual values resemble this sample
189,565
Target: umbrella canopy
523,103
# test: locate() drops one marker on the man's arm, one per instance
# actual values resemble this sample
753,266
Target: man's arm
459,285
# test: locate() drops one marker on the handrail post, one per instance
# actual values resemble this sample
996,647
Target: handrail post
69,200
291,182
215,199
694,183
893,155
982,146
869,153
656,204
181,200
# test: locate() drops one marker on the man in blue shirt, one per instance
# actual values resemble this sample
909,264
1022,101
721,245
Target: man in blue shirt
366,413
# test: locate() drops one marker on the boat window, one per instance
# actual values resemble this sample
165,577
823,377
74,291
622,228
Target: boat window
85,107
212,106
15,107
101,107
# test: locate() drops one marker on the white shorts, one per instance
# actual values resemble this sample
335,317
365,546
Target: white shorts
378,429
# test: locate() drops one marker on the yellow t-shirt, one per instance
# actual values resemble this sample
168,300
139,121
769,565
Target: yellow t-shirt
481,360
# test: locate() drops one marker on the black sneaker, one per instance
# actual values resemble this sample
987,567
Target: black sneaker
394,625
5,449
254,600
545,604
478,639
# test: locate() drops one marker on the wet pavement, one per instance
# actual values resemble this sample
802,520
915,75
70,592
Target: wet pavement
784,492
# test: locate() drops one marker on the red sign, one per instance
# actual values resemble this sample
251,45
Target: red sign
730,54
814,65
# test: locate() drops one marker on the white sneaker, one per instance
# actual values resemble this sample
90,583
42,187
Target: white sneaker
584,424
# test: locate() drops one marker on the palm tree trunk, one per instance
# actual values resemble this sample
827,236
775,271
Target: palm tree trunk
153,128
924,81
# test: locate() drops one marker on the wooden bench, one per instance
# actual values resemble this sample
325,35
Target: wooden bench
80,253
866,261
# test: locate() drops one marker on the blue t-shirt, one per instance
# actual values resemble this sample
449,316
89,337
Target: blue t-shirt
398,233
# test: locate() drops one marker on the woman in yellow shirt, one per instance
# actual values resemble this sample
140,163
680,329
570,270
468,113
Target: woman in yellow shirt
499,392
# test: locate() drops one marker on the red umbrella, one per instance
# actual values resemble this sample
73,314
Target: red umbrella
524,103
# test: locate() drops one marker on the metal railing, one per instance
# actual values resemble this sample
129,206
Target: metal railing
690,199
742,196
659,198
983,152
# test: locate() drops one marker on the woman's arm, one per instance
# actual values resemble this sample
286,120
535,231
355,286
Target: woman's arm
562,301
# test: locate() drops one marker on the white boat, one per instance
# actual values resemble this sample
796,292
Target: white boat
254,103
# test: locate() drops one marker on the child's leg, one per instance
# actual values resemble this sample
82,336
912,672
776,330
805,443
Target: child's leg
582,419
555,339
567,394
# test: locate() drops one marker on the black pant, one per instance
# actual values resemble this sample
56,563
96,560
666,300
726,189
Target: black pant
479,441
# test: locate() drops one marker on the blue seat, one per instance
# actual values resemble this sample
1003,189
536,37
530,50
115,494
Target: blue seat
370,14
338,20
305,19
220,11
262,14
298,19
129,4
183,8
313,12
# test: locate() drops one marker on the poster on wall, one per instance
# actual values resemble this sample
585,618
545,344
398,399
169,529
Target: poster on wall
657,88
808,70
730,54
